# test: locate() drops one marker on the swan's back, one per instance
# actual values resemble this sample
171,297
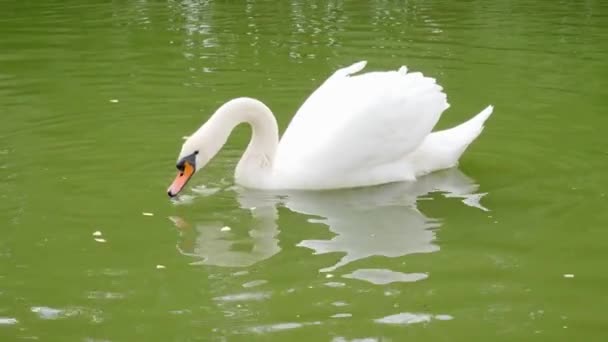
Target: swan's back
356,130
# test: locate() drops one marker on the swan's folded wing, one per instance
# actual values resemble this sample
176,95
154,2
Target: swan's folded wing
357,123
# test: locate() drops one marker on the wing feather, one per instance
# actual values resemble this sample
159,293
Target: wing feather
359,122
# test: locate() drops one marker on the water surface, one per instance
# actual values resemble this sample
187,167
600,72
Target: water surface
95,98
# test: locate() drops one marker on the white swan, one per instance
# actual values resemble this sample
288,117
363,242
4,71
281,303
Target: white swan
353,131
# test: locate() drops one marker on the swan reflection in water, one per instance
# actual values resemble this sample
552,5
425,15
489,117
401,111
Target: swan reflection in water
374,221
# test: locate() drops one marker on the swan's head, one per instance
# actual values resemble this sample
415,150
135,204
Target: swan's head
191,159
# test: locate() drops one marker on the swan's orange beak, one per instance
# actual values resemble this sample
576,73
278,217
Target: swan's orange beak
183,176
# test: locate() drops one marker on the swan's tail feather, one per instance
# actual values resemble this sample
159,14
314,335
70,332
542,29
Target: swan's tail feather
481,118
469,130
441,150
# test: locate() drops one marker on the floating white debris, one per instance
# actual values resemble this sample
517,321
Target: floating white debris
46,312
160,267
102,240
114,100
568,275
8,321
148,214
185,137
97,233
225,229
329,275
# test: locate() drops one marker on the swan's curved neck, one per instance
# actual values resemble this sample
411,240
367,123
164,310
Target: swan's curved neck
254,168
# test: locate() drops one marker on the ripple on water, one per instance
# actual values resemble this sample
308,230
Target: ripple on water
203,190
180,312
242,297
105,295
276,327
107,272
255,283
364,339
334,284
384,276
48,313
342,315
262,329
406,318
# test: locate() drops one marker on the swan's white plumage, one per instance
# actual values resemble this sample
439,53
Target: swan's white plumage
354,130
358,129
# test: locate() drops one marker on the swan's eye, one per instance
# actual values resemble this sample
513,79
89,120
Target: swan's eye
181,166
196,152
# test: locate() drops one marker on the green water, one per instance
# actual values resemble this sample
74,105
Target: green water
95,97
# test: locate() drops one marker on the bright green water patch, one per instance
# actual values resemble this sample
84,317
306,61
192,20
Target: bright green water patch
94,100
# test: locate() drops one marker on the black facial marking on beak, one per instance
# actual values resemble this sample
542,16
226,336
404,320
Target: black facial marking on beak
186,168
190,159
